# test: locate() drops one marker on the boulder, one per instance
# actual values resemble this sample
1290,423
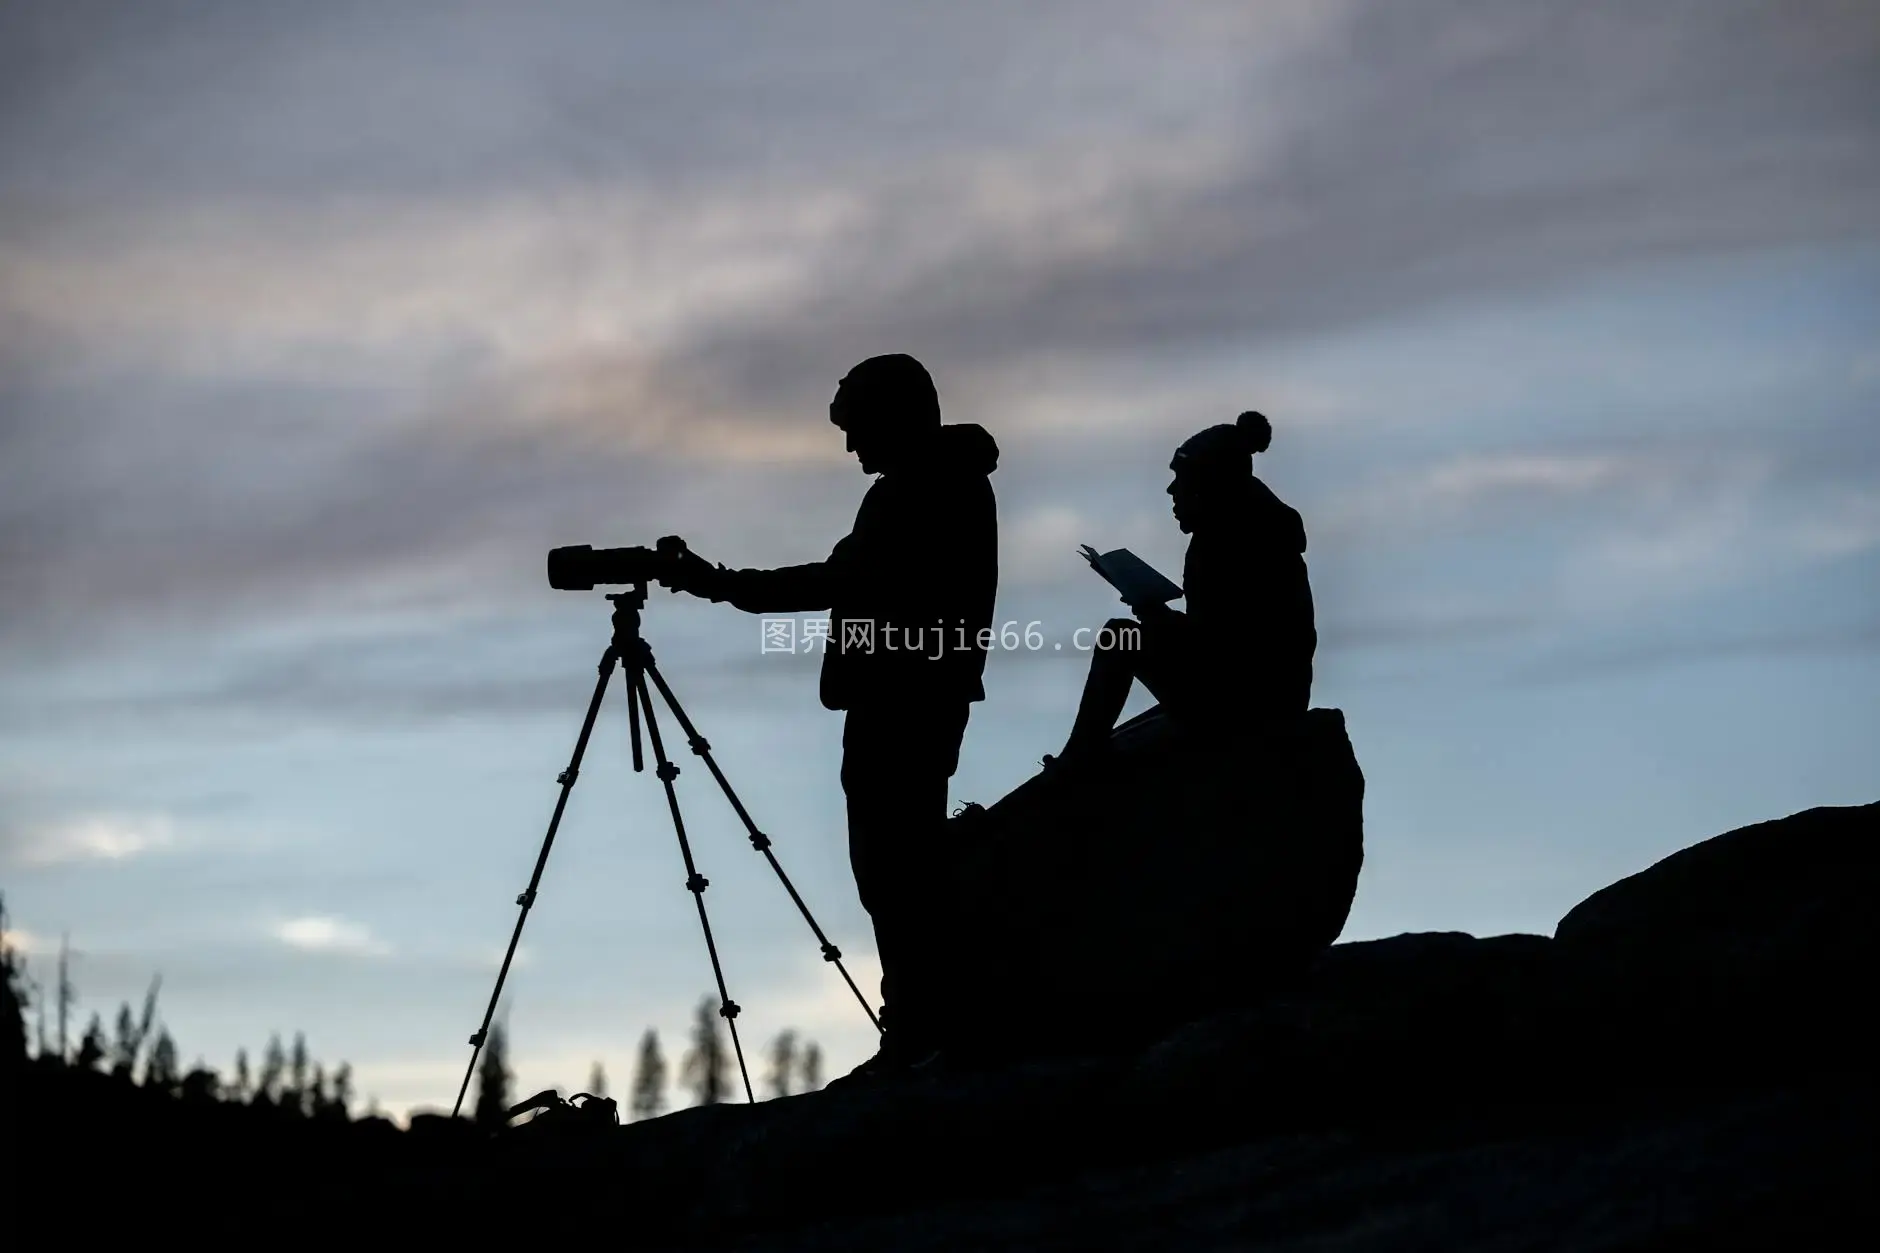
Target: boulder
1746,949
1758,886
1416,1025
1186,876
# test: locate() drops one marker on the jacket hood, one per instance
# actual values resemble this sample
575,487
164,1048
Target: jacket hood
1276,519
967,448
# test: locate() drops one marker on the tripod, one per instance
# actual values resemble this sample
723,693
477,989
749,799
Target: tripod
630,651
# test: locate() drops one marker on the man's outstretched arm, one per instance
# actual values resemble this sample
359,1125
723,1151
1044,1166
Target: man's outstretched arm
786,589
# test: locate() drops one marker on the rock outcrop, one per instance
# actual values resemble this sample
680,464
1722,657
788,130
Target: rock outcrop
1185,877
1748,944
1426,1091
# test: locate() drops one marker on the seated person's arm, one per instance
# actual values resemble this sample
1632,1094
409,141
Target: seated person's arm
1157,613
1163,627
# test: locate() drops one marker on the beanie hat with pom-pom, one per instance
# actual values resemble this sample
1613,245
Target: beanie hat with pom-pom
1226,448
1255,431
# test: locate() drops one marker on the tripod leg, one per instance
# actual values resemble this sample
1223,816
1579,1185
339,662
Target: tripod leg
633,726
695,882
759,840
567,779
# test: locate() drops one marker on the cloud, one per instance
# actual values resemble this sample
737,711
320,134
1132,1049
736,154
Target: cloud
1598,530
1849,524
320,933
813,1000
468,98
1462,482
1715,524
1420,154
233,399
614,277
236,391
264,503
26,943
93,838
402,1086
1457,490
1043,540
1427,629
1865,371
1574,665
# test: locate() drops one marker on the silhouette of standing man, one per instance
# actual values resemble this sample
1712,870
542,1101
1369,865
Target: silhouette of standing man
910,592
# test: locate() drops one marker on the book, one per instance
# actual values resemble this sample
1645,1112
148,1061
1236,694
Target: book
1136,580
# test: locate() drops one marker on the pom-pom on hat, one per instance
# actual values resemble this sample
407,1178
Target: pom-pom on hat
1226,448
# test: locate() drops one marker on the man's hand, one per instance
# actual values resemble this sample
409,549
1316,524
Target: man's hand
686,571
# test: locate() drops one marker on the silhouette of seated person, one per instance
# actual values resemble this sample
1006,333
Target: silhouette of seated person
1241,655
910,592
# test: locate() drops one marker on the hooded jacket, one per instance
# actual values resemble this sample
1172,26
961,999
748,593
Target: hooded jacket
1249,607
910,588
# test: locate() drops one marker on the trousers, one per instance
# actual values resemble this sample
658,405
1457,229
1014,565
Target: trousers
896,761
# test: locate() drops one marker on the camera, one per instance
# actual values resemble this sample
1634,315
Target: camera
580,567
581,1113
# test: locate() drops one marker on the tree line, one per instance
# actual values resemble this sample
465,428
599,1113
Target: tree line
708,1068
139,1051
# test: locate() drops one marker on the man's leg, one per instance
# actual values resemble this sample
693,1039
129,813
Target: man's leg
892,829
894,772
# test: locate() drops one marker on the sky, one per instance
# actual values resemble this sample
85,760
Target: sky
321,324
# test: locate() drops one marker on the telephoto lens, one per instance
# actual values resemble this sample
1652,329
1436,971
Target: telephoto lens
568,568
579,567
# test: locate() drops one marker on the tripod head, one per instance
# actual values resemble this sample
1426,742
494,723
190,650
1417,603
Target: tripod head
631,651
627,607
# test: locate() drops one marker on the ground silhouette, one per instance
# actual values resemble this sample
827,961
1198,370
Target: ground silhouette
1685,1064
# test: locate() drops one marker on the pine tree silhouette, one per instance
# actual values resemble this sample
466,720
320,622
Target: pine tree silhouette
707,1067
93,1047
781,1079
273,1067
294,1096
124,1043
12,1034
147,1018
161,1073
36,996
241,1088
649,1079
493,1080
597,1080
132,1032
341,1104
812,1067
